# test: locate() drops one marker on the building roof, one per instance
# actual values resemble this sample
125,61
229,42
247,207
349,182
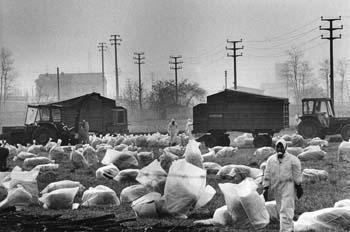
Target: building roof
234,95
78,100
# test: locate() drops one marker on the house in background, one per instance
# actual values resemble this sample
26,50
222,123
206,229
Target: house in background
70,85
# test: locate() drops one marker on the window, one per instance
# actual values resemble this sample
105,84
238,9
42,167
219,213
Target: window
56,115
44,114
308,107
31,115
119,116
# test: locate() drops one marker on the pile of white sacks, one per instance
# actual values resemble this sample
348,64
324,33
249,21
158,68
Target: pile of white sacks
171,180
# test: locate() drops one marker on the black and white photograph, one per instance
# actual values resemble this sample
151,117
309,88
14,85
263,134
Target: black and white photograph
175,115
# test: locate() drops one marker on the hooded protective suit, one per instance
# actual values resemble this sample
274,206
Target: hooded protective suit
172,130
189,127
281,175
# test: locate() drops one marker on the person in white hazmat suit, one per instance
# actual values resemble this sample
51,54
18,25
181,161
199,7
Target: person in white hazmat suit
282,178
172,130
189,128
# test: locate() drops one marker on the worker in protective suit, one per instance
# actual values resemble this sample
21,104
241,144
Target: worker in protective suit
282,178
172,131
84,132
4,153
189,128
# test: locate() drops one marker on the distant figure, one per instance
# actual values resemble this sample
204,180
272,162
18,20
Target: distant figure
189,128
84,132
4,153
172,130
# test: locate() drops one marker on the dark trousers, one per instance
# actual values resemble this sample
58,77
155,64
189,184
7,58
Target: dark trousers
4,153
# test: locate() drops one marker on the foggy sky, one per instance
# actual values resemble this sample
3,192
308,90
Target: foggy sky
44,34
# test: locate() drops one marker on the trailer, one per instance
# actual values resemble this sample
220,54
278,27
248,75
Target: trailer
232,110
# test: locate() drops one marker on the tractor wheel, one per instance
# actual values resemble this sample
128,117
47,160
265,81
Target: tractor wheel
43,134
308,129
345,132
259,141
268,140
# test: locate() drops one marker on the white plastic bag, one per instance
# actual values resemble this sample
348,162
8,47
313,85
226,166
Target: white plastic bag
271,207
328,219
18,197
145,158
27,179
36,149
184,186
342,203
295,150
344,151
89,154
127,175
221,217
109,172
146,207
261,154
153,176
30,163
211,167
245,205
46,167
312,153
166,160
226,152
59,199
318,142
78,160
61,185
23,155
121,159
100,195
193,154
132,193
314,175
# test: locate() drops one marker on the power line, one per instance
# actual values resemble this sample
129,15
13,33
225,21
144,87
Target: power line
115,42
234,56
102,48
176,67
281,35
139,61
331,38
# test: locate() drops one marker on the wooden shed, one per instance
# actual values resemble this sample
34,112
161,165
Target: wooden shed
100,112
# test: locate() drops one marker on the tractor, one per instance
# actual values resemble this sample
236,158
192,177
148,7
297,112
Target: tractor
42,122
318,120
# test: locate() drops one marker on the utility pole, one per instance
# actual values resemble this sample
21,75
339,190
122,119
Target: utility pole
102,48
176,67
225,79
115,42
234,49
331,38
139,58
58,84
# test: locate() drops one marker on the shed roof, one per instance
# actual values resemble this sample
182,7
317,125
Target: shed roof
234,96
78,100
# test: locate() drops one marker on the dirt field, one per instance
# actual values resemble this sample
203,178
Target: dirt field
316,195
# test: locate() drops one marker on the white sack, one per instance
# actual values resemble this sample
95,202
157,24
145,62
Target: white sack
342,203
100,195
193,154
314,175
107,172
153,176
59,199
211,167
324,220
132,193
312,153
78,160
127,175
245,205
146,207
17,196
62,185
344,151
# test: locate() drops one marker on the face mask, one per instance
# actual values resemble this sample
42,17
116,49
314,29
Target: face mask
280,151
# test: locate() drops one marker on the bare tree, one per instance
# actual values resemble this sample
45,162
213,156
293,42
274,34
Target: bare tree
297,72
8,74
324,73
131,94
342,68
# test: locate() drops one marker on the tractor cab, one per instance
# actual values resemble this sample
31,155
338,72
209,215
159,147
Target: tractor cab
318,118
38,114
43,122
